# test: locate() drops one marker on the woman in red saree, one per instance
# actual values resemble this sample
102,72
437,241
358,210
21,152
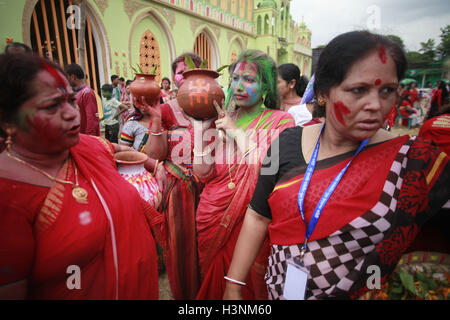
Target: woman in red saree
171,141
230,181
64,232
385,195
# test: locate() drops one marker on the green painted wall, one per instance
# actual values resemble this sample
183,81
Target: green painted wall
174,28
11,12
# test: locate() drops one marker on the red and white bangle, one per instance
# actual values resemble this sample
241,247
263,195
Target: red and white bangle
235,281
157,133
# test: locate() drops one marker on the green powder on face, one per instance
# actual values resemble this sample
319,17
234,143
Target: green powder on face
23,118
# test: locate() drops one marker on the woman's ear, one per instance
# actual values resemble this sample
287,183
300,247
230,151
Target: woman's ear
292,84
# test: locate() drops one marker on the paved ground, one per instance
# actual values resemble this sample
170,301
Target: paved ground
164,288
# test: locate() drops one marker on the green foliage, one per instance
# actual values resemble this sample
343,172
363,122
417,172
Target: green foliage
137,68
204,64
428,49
397,40
153,71
189,63
444,47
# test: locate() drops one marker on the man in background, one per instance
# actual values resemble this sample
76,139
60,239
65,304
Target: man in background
86,100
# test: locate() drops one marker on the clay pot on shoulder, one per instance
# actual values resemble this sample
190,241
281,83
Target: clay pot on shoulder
197,93
130,165
145,86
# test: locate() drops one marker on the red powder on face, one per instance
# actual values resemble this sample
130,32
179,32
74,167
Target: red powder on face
55,74
243,66
340,109
382,54
377,82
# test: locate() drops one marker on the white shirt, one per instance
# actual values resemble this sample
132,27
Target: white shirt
301,114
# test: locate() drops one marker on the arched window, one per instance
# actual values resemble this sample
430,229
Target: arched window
52,37
258,25
203,48
266,24
233,56
149,55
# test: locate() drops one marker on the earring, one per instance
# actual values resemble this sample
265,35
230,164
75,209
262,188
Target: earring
8,141
322,102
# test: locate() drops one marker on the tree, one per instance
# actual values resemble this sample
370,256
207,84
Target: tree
443,49
428,50
397,40
416,60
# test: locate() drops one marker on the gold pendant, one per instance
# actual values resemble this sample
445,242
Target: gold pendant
80,194
231,186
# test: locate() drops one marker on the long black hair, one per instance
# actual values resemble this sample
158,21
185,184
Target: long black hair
289,72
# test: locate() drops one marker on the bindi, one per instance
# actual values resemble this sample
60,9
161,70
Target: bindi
377,82
340,109
382,54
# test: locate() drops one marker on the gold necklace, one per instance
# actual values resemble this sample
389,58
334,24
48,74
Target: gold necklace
80,194
232,185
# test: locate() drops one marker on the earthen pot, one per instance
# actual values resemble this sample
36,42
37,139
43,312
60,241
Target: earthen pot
130,165
145,86
197,93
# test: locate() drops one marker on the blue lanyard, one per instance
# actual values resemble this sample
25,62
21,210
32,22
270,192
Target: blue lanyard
326,196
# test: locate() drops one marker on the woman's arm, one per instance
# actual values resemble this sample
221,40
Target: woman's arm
157,145
14,291
249,243
202,159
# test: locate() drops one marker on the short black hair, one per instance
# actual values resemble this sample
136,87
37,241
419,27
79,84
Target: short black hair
195,58
74,69
122,79
114,77
345,50
167,79
107,87
289,72
17,73
18,45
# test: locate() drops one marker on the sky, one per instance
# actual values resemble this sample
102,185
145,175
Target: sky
414,21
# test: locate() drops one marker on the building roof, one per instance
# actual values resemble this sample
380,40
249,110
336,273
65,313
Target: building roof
267,3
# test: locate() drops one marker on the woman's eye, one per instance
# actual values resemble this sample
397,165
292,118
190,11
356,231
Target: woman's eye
388,90
359,90
52,107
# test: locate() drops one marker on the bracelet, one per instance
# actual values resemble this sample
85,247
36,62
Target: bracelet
196,154
157,134
235,281
155,168
248,151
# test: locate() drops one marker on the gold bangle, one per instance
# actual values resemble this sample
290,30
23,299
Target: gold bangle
155,168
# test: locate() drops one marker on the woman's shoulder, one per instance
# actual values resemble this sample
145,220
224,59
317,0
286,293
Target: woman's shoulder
291,135
383,135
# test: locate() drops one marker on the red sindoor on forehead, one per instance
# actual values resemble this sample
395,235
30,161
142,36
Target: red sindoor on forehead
243,65
382,54
55,74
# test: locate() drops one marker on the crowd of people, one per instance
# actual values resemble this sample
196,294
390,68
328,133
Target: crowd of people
292,180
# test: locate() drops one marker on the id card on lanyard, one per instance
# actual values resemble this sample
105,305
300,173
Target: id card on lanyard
297,273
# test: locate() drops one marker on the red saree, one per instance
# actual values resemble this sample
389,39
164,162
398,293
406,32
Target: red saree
387,194
108,238
221,211
180,200
437,129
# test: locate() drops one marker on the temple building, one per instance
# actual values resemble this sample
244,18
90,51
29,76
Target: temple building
122,34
